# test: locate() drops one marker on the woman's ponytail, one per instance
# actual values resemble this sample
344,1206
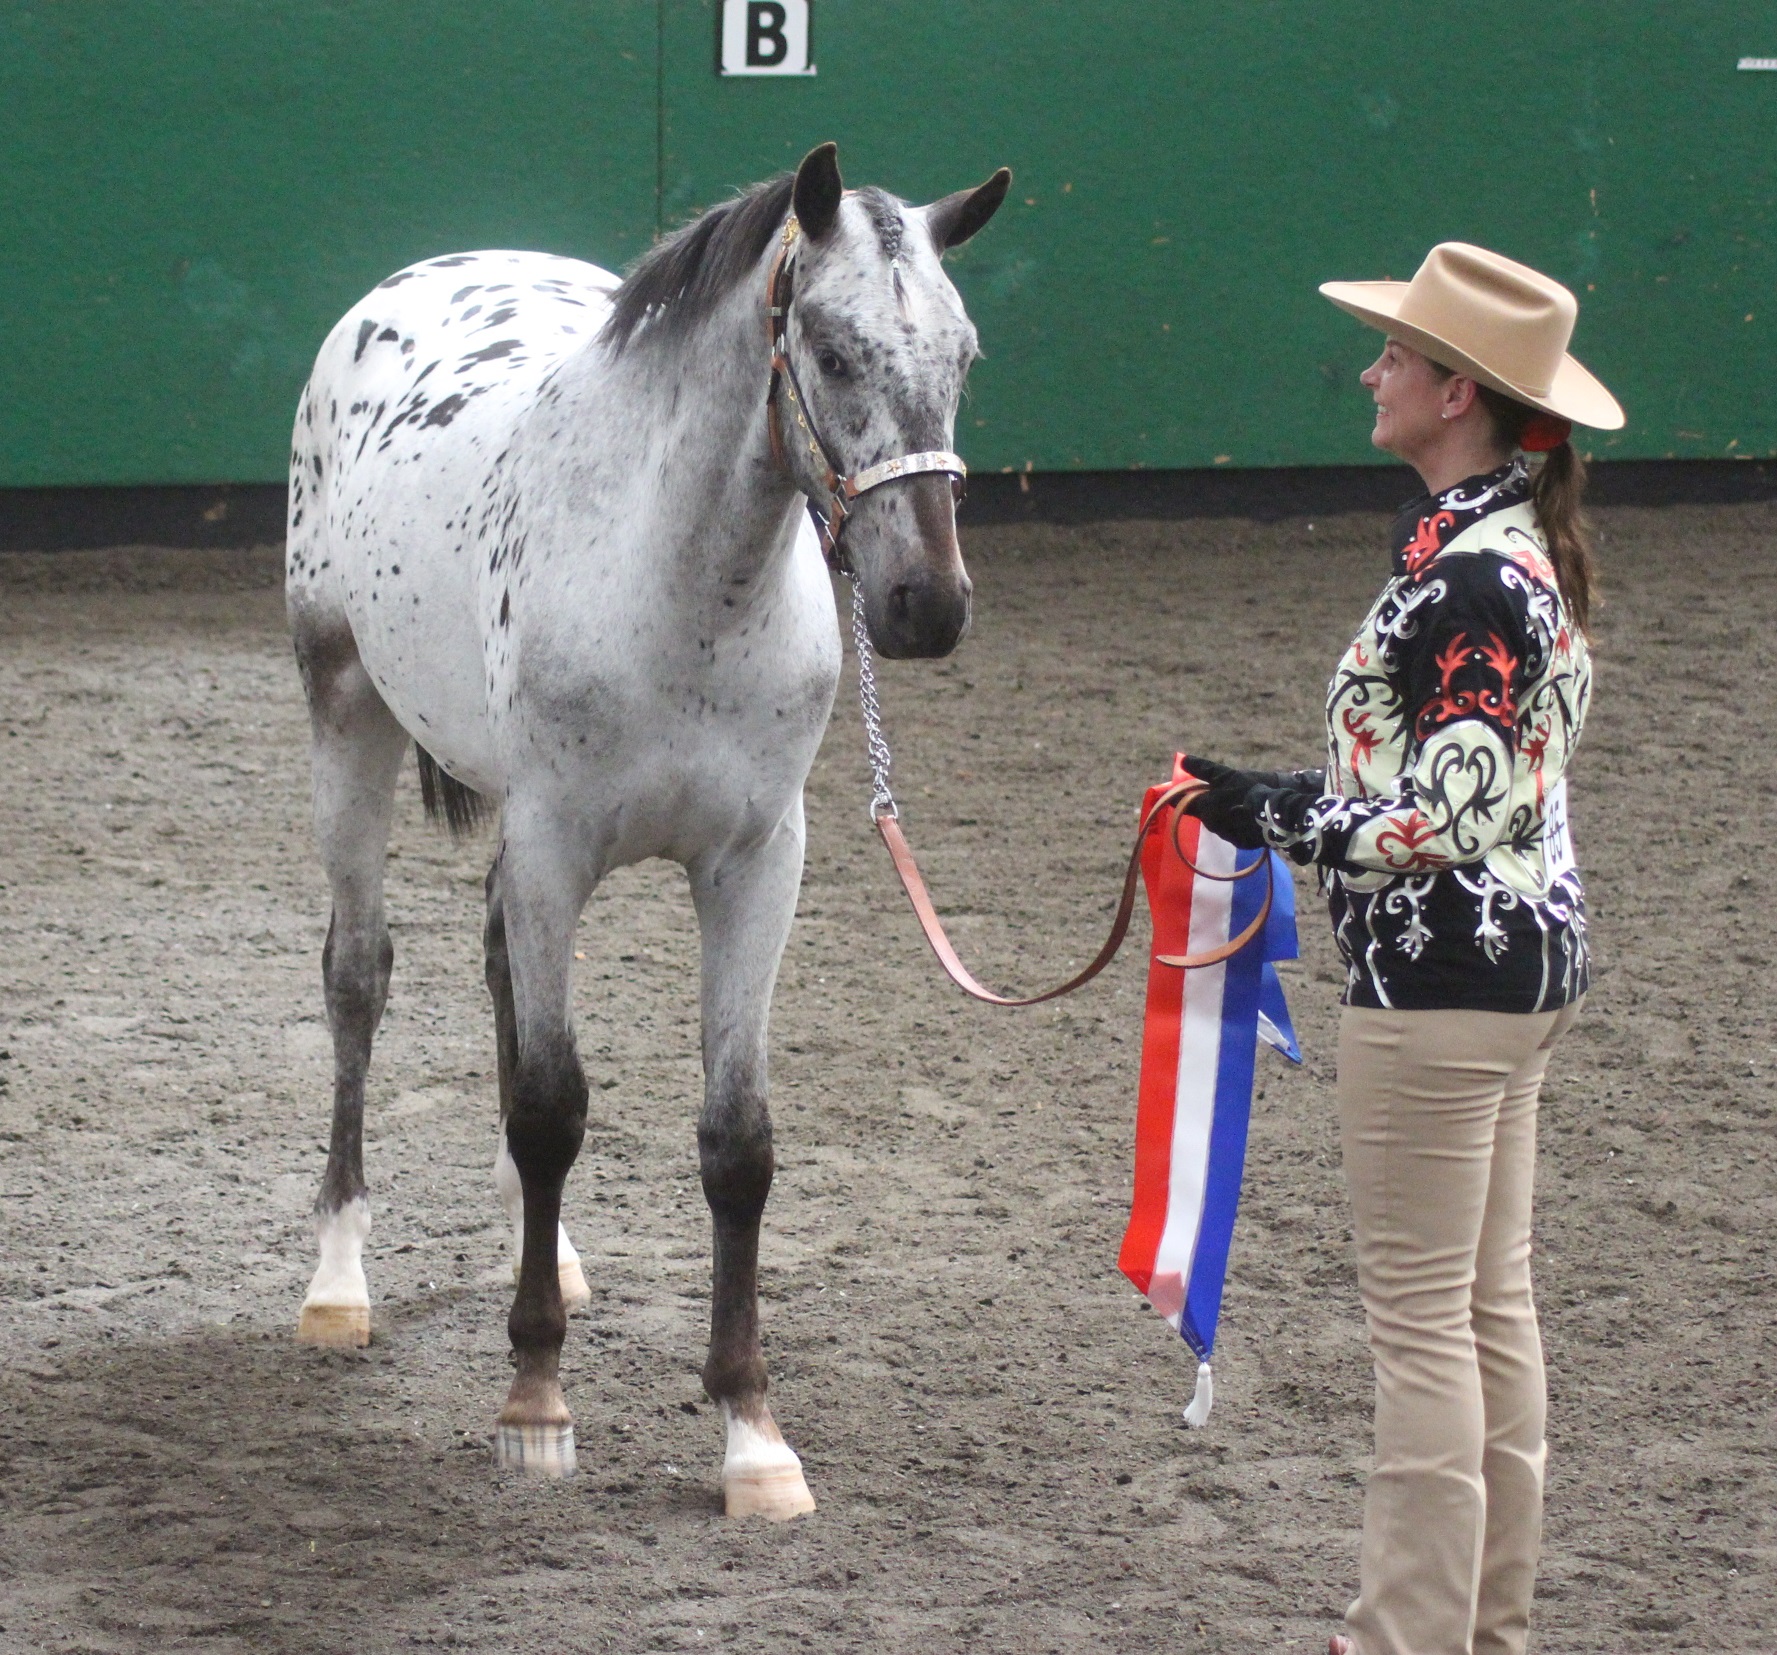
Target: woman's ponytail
1559,487
1556,492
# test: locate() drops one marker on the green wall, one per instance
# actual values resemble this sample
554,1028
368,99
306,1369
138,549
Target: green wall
195,189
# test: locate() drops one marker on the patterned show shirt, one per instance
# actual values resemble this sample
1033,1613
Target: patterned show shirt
1441,822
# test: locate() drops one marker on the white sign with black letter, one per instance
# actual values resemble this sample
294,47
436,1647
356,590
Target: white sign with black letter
766,37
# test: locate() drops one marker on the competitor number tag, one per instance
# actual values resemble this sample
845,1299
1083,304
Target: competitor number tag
1557,835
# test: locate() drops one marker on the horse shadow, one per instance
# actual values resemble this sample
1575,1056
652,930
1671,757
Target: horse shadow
231,1489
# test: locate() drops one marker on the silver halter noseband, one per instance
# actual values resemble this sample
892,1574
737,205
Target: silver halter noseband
840,489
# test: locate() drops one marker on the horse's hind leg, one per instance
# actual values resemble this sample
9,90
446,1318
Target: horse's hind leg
574,1290
746,899
358,748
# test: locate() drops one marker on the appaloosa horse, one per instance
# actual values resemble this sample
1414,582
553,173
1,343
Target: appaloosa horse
550,527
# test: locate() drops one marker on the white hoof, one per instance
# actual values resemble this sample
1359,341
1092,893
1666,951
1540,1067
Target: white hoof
536,1450
336,1311
761,1474
334,1326
574,1291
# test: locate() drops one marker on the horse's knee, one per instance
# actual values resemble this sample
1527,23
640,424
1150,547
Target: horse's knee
355,970
548,1117
735,1155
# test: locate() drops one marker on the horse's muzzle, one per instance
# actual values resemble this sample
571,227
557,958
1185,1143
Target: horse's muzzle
916,591
920,617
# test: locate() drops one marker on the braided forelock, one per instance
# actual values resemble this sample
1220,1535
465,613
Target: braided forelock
886,219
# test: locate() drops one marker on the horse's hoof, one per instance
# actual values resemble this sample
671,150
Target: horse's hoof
574,1290
537,1450
776,1493
761,1475
334,1326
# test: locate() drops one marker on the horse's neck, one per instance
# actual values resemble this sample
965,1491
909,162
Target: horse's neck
725,515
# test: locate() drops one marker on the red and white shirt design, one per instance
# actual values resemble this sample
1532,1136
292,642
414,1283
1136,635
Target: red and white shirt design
1450,723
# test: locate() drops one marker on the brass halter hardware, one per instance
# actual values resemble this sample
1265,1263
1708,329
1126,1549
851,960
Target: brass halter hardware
785,395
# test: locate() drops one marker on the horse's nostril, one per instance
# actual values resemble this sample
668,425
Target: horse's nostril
966,587
900,600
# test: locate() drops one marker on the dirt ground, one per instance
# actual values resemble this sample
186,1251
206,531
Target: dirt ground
989,1417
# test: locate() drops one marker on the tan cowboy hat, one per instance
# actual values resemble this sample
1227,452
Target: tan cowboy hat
1495,320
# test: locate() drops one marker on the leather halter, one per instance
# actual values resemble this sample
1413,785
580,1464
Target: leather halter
831,514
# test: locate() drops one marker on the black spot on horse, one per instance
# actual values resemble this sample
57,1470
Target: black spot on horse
504,314
398,278
445,410
463,292
488,353
388,335
365,329
505,608
451,262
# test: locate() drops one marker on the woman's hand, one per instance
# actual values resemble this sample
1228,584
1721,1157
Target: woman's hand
1232,808
1227,807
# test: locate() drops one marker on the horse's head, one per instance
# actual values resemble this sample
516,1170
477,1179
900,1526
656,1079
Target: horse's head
880,346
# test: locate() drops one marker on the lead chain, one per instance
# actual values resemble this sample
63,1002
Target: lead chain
882,802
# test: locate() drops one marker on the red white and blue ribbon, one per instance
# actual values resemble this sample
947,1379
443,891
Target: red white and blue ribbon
1199,1042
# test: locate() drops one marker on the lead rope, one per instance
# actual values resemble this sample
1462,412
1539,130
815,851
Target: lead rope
882,801
887,817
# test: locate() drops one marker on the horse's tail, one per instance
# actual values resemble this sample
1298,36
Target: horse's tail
463,809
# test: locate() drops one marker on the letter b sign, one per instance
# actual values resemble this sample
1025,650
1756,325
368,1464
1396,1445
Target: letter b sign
765,37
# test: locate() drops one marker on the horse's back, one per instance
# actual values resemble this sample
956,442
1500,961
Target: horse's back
399,434
438,357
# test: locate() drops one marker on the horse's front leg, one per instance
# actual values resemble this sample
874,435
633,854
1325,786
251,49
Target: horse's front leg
536,891
746,898
574,1290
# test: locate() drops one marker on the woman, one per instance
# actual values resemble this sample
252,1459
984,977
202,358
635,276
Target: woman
1440,828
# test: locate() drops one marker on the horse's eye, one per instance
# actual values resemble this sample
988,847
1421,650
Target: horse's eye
832,363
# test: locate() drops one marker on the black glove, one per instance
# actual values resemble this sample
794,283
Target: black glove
1226,808
1232,806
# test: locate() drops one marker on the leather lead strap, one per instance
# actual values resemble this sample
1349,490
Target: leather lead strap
901,854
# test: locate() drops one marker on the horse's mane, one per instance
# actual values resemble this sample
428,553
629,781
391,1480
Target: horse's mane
672,287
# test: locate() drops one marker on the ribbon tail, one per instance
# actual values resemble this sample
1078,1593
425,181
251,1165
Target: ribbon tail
1197,1413
1275,1028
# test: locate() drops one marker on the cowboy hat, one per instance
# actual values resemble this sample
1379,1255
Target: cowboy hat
1495,320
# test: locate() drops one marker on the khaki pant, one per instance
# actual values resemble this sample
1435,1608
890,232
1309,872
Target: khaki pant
1438,1120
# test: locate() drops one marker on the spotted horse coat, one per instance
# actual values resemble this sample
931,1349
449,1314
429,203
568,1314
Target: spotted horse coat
543,525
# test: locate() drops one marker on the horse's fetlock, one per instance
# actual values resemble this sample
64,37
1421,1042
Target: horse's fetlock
537,1326
741,1382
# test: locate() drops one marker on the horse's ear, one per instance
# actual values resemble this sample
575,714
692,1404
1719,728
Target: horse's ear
818,191
957,217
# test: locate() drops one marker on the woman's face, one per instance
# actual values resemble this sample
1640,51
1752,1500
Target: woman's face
1410,400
